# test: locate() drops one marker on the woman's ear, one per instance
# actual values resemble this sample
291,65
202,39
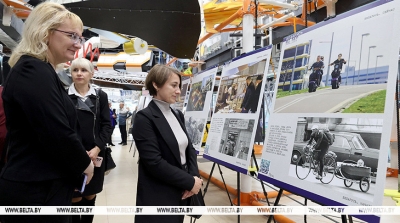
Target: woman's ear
155,86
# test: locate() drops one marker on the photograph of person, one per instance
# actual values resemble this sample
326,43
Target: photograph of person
340,152
195,127
235,140
239,94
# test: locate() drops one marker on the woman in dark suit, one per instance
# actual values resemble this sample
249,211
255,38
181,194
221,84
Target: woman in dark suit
45,157
94,129
168,172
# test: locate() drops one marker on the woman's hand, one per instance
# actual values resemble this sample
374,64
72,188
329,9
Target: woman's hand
187,194
197,185
89,172
93,153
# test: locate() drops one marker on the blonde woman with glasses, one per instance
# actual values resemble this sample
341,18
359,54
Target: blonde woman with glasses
45,157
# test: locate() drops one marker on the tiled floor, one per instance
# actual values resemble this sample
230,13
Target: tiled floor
120,189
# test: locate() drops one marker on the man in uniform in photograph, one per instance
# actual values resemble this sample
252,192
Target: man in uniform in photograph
256,95
246,103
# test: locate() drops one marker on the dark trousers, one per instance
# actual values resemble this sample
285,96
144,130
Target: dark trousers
124,136
110,139
322,151
43,193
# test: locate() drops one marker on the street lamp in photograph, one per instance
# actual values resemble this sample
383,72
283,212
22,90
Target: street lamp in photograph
354,72
369,50
376,64
359,62
329,59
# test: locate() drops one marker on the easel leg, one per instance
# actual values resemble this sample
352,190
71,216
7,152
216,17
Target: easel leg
350,219
305,216
226,189
276,203
209,179
238,191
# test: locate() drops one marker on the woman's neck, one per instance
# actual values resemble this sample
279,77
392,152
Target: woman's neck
82,89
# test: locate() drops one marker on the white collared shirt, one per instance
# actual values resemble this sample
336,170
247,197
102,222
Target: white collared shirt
72,90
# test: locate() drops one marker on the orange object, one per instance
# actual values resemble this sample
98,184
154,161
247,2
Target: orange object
258,149
392,172
248,199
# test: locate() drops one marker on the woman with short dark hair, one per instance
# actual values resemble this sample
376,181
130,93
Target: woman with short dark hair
168,172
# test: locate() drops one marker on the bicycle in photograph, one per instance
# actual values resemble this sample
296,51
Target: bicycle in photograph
308,162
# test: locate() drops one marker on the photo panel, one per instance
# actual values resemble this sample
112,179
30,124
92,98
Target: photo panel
234,122
345,126
199,105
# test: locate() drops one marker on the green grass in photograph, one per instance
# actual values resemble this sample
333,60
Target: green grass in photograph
282,94
373,103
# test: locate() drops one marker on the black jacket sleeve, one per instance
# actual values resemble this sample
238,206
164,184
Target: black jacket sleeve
191,156
103,121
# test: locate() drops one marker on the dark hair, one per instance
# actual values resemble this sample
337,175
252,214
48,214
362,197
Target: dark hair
259,77
248,78
159,74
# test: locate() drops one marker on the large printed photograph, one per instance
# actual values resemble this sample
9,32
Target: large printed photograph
342,68
240,88
338,153
198,93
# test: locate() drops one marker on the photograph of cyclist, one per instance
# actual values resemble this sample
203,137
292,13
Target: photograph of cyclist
322,146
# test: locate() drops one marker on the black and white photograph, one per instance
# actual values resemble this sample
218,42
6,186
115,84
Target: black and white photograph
340,153
195,127
236,137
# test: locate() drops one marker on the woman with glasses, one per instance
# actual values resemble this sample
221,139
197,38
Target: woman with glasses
45,157
95,128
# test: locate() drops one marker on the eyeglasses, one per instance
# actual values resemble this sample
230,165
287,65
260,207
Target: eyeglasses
74,37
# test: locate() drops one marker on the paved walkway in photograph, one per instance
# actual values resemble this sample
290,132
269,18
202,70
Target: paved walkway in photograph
325,100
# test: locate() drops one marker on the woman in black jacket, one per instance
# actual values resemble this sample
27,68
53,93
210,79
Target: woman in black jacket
95,129
45,156
168,172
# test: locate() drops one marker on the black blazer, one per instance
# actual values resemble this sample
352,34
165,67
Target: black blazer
41,121
161,180
246,103
101,128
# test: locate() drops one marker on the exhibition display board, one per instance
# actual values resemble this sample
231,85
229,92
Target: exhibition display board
198,105
233,125
353,60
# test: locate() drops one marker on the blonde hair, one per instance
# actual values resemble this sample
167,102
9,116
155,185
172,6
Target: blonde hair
43,19
82,63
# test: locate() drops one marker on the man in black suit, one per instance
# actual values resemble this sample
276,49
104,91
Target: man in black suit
246,103
256,95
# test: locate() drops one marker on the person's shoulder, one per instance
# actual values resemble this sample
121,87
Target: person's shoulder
29,62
